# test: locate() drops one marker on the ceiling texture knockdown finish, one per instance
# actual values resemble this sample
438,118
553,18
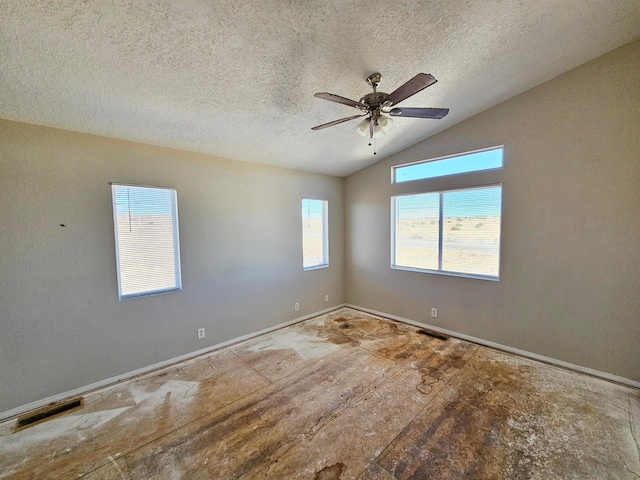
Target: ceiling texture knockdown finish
236,78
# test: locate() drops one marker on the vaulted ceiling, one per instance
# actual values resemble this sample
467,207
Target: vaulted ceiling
236,78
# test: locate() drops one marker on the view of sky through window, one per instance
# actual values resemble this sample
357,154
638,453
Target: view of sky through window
138,201
466,163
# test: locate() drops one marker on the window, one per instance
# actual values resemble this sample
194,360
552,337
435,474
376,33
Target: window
489,159
315,238
455,232
146,232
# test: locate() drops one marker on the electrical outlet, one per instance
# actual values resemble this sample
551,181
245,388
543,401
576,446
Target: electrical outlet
326,298
434,312
200,333
296,306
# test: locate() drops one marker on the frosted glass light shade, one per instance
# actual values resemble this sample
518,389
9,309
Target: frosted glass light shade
385,123
363,127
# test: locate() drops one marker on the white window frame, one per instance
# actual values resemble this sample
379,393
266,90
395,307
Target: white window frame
439,270
324,261
177,284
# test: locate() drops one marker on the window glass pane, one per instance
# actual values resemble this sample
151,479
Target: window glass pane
315,249
454,232
471,231
146,231
469,162
417,226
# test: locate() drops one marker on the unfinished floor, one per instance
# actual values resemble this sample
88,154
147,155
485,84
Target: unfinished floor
342,396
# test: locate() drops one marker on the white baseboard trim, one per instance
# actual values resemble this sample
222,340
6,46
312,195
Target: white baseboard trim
505,348
15,412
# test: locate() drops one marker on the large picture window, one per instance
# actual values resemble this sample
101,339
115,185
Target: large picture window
453,232
147,247
315,234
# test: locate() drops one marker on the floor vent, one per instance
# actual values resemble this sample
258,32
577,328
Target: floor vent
431,333
46,413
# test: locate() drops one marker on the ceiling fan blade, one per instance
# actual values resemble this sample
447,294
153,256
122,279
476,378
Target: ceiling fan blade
413,86
419,112
338,99
335,122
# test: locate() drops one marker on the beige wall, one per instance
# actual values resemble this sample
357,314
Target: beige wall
62,326
570,265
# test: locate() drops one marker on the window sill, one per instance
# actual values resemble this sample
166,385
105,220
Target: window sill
448,274
316,267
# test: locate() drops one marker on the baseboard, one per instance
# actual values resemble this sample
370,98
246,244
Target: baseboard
505,348
15,412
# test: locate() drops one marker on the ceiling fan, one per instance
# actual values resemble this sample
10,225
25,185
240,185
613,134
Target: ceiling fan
374,104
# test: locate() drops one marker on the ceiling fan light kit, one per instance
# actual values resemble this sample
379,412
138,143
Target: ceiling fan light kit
374,104
381,125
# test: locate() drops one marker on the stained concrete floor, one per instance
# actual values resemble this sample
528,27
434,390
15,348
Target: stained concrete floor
342,396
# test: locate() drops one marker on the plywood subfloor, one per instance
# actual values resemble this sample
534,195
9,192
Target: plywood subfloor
343,396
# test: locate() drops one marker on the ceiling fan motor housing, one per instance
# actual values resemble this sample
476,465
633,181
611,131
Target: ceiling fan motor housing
374,80
375,100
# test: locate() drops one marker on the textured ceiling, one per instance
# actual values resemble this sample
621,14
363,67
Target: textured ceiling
236,78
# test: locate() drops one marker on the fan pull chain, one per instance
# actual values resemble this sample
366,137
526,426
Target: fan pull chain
372,141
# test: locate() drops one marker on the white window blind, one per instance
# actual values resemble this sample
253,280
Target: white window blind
455,232
315,239
417,230
147,244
